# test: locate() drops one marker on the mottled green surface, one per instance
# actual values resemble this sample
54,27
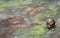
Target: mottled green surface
52,10
31,32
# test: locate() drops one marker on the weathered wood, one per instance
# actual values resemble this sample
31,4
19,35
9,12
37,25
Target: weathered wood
35,11
12,28
4,23
7,22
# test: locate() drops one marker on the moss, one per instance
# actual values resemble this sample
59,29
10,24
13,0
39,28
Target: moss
36,32
14,3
